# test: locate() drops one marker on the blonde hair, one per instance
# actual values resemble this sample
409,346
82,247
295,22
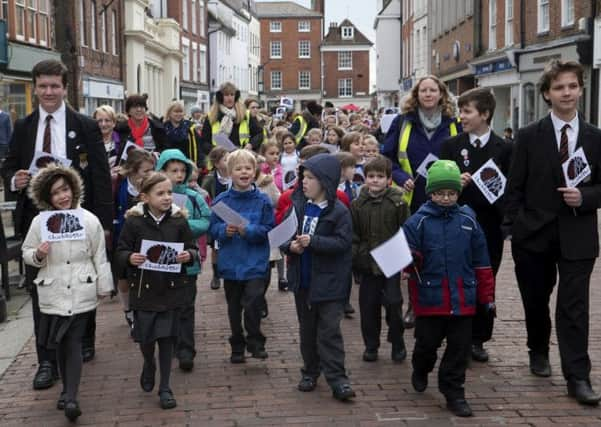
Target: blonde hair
175,104
314,131
370,139
270,143
106,109
411,103
240,156
227,88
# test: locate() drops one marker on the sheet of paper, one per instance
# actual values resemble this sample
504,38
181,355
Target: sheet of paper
332,148
126,150
222,140
284,231
228,215
289,178
576,169
161,256
386,121
62,225
425,165
490,181
287,102
179,200
41,159
393,255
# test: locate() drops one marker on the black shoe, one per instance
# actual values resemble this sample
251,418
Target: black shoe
60,403
370,355
398,353
88,354
409,319
343,392
582,391
167,400
419,381
283,285
259,353
147,377
459,407
72,410
307,383
539,364
264,312
215,283
186,364
44,377
479,353
129,318
349,310
237,358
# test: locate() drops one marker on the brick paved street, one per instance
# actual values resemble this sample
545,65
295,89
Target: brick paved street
260,393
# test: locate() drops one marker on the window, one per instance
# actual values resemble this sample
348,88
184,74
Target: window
20,19
275,27
4,10
567,13
304,26
201,18
304,49
103,30
83,35
194,62
347,32
202,66
185,15
193,12
186,60
492,25
43,22
276,80
93,26
543,16
345,60
275,49
31,27
345,88
304,79
508,22
114,32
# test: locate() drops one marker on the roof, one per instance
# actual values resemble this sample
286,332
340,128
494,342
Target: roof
334,36
285,9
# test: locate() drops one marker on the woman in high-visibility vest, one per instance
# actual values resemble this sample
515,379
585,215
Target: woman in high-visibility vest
181,132
427,119
309,119
228,117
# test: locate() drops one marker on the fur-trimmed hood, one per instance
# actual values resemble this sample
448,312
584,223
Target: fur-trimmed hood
39,192
138,210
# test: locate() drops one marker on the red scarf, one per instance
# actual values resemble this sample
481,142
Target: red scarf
138,132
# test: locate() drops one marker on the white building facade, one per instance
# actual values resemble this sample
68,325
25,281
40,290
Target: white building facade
254,53
388,53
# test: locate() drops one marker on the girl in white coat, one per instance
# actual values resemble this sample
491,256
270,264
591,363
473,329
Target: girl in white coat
72,275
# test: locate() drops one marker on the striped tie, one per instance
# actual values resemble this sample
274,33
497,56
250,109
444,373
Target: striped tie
563,144
47,142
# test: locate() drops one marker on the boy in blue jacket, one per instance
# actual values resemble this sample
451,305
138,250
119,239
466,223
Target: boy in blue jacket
450,275
243,260
318,271
178,169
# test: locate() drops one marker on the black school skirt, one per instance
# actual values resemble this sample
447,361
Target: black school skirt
152,325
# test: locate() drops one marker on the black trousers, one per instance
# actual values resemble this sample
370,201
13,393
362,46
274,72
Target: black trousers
375,292
43,353
483,322
321,343
245,296
68,355
429,333
537,274
185,347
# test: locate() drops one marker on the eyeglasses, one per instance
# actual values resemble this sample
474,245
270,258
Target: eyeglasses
445,194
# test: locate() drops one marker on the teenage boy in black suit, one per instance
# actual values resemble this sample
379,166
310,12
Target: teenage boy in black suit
55,128
554,227
470,150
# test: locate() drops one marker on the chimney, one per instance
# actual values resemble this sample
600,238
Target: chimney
333,25
318,6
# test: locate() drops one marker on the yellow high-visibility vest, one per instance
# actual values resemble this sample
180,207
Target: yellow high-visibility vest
303,129
243,132
404,163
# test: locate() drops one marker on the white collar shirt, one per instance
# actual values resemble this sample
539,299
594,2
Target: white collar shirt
58,131
572,131
483,138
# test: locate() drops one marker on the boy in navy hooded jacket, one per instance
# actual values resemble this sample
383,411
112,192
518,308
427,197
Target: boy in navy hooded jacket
319,266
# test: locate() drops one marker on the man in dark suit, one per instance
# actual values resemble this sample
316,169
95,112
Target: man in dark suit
554,227
55,128
470,150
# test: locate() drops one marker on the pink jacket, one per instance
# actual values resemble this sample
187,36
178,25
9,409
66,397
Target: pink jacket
276,173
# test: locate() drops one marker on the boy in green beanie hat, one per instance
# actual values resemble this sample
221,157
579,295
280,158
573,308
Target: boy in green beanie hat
450,274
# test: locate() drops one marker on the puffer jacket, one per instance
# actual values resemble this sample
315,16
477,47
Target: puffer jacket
331,243
451,270
75,272
155,290
375,220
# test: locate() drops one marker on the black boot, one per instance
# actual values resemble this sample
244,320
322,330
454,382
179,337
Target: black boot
44,377
216,281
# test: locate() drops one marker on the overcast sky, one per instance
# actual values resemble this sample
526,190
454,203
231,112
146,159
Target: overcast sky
361,13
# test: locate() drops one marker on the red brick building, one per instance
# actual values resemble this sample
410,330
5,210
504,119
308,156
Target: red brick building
345,56
290,55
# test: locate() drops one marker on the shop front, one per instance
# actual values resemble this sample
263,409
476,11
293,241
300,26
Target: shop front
97,92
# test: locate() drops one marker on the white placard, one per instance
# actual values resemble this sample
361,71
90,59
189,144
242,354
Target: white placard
332,148
425,164
287,102
222,140
41,159
490,181
284,231
576,169
393,255
386,121
228,215
128,147
179,200
62,225
161,256
289,178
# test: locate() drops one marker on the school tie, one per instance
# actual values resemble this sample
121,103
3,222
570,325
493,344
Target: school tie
563,144
47,145
477,143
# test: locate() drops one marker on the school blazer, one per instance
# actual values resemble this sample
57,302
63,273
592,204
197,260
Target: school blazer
535,213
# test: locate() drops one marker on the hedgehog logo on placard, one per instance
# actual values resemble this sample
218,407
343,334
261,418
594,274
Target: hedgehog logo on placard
63,223
44,161
290,177
492,180
575,167
161,254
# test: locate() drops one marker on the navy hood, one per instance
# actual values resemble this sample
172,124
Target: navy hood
326,168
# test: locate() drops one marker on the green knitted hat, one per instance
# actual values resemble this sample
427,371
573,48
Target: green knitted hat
443,175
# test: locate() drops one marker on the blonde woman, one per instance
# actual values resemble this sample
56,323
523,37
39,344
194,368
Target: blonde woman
181,132
107,119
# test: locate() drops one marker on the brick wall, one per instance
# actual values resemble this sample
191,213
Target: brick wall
174,11
464,33
582,8
359,73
